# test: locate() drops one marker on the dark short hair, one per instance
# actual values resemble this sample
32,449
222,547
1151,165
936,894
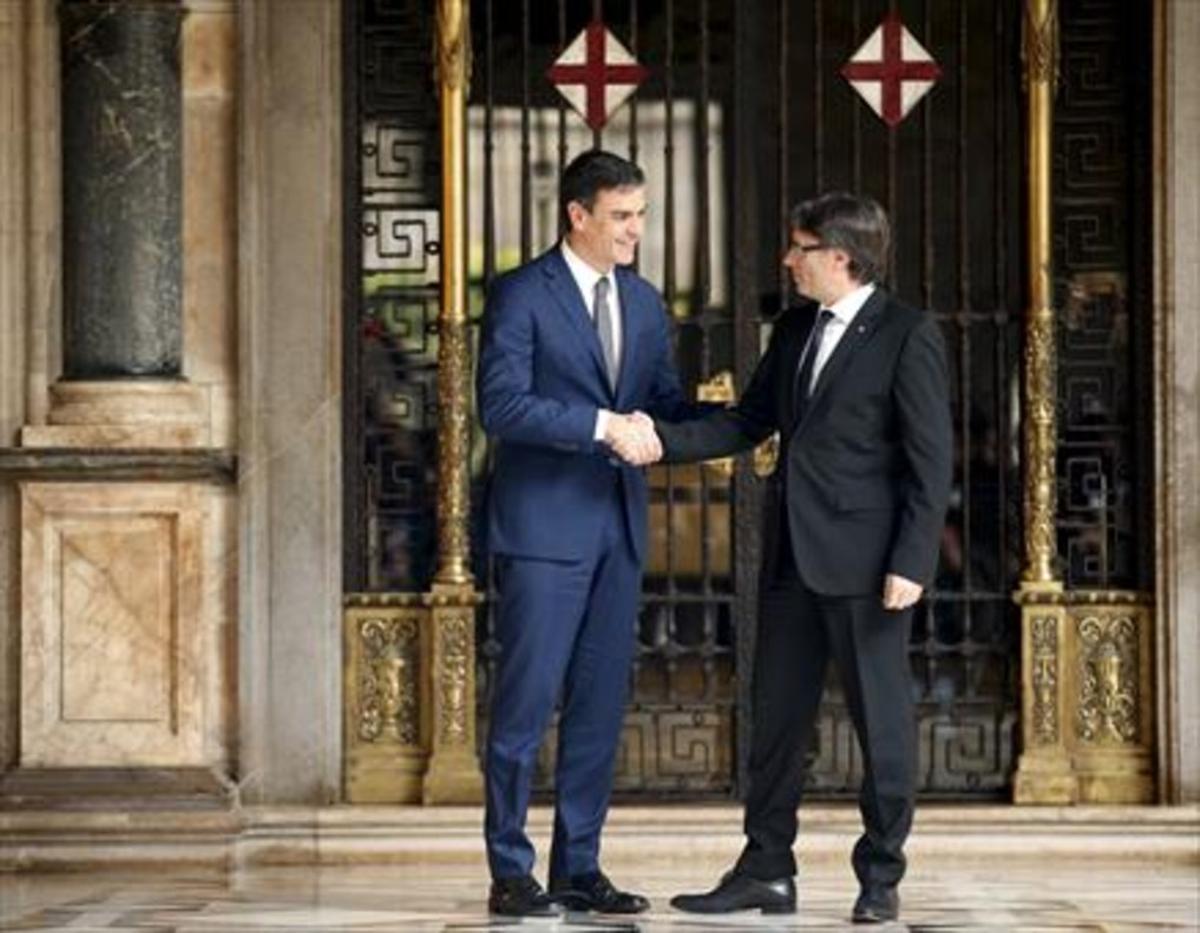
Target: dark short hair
852,223
590,173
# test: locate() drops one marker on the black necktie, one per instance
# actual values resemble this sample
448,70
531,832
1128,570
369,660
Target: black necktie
802,389
602,317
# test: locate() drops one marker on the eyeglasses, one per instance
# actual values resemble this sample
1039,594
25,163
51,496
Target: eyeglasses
807,247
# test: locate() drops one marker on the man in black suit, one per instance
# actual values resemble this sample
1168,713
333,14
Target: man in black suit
855,383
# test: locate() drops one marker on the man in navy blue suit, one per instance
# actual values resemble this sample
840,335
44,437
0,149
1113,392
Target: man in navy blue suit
574,361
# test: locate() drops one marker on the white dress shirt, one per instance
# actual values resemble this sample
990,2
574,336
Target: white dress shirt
586,277
845,309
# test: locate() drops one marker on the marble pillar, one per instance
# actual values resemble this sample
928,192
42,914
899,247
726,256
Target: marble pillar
1177,363
118,559
122,143
289,403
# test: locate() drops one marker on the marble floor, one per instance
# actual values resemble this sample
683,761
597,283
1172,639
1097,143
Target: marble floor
973,896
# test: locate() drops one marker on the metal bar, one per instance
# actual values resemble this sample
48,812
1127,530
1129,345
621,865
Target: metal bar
818,98
562,107
856,135
750,53
526,167
1003,78
633,104
890,185
781,79
489,148
703,287
598,16
354,563
964,306
1041,54
669,294
927,241
453,353
1045,771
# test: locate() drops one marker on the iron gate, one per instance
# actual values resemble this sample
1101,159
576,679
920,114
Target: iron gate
743,115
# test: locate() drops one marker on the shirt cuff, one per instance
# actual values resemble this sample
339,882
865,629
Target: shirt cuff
602,416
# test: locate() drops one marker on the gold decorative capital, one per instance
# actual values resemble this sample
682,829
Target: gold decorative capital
452,51
1039,41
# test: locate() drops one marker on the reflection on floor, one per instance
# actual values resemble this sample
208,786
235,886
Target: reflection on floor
1055,896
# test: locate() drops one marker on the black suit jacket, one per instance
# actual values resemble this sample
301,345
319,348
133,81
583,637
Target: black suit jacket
864,478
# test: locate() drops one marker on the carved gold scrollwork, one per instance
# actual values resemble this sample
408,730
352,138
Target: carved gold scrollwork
720,389
1039,40
1040,442
453,452
766,455
1108,679
454,672
388,679
452,47
1045,679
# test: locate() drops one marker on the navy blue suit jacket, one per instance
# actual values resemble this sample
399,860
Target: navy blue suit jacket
540,382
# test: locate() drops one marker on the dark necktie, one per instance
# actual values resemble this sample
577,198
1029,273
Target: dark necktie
802,389
602,317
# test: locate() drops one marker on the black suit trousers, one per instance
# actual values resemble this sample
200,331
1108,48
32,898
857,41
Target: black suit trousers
799,633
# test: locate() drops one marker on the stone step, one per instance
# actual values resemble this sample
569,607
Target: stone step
707,835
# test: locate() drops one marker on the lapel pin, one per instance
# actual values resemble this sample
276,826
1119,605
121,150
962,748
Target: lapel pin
862,328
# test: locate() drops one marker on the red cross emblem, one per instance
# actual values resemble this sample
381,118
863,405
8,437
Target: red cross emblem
596,73
891,70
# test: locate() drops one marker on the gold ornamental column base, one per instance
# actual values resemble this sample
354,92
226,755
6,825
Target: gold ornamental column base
1045,780
1087,697
385,698
409,697
1044,774
453,775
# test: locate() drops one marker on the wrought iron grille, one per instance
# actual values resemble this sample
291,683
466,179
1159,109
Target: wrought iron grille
1103,261
392,279
744,115
678,735
950,178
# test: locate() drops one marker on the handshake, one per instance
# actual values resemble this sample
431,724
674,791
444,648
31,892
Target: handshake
632,438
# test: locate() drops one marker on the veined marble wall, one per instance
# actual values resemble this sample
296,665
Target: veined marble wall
117,589
290,405
123,623
210,231
1178,393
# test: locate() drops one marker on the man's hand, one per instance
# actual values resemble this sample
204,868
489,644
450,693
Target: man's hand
899,593
632,438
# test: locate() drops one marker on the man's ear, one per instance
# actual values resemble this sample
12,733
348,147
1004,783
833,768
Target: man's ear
575,213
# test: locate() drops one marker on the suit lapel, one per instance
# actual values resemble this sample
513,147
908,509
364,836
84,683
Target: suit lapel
859,332
562,286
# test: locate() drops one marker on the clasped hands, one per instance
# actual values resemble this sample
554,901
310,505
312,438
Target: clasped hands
632,438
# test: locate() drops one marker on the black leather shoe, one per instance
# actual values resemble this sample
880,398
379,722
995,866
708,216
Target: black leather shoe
521,897
741,892
595,892
876,904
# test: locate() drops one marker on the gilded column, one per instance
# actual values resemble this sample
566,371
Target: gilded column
453,773
1044,773
453,49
